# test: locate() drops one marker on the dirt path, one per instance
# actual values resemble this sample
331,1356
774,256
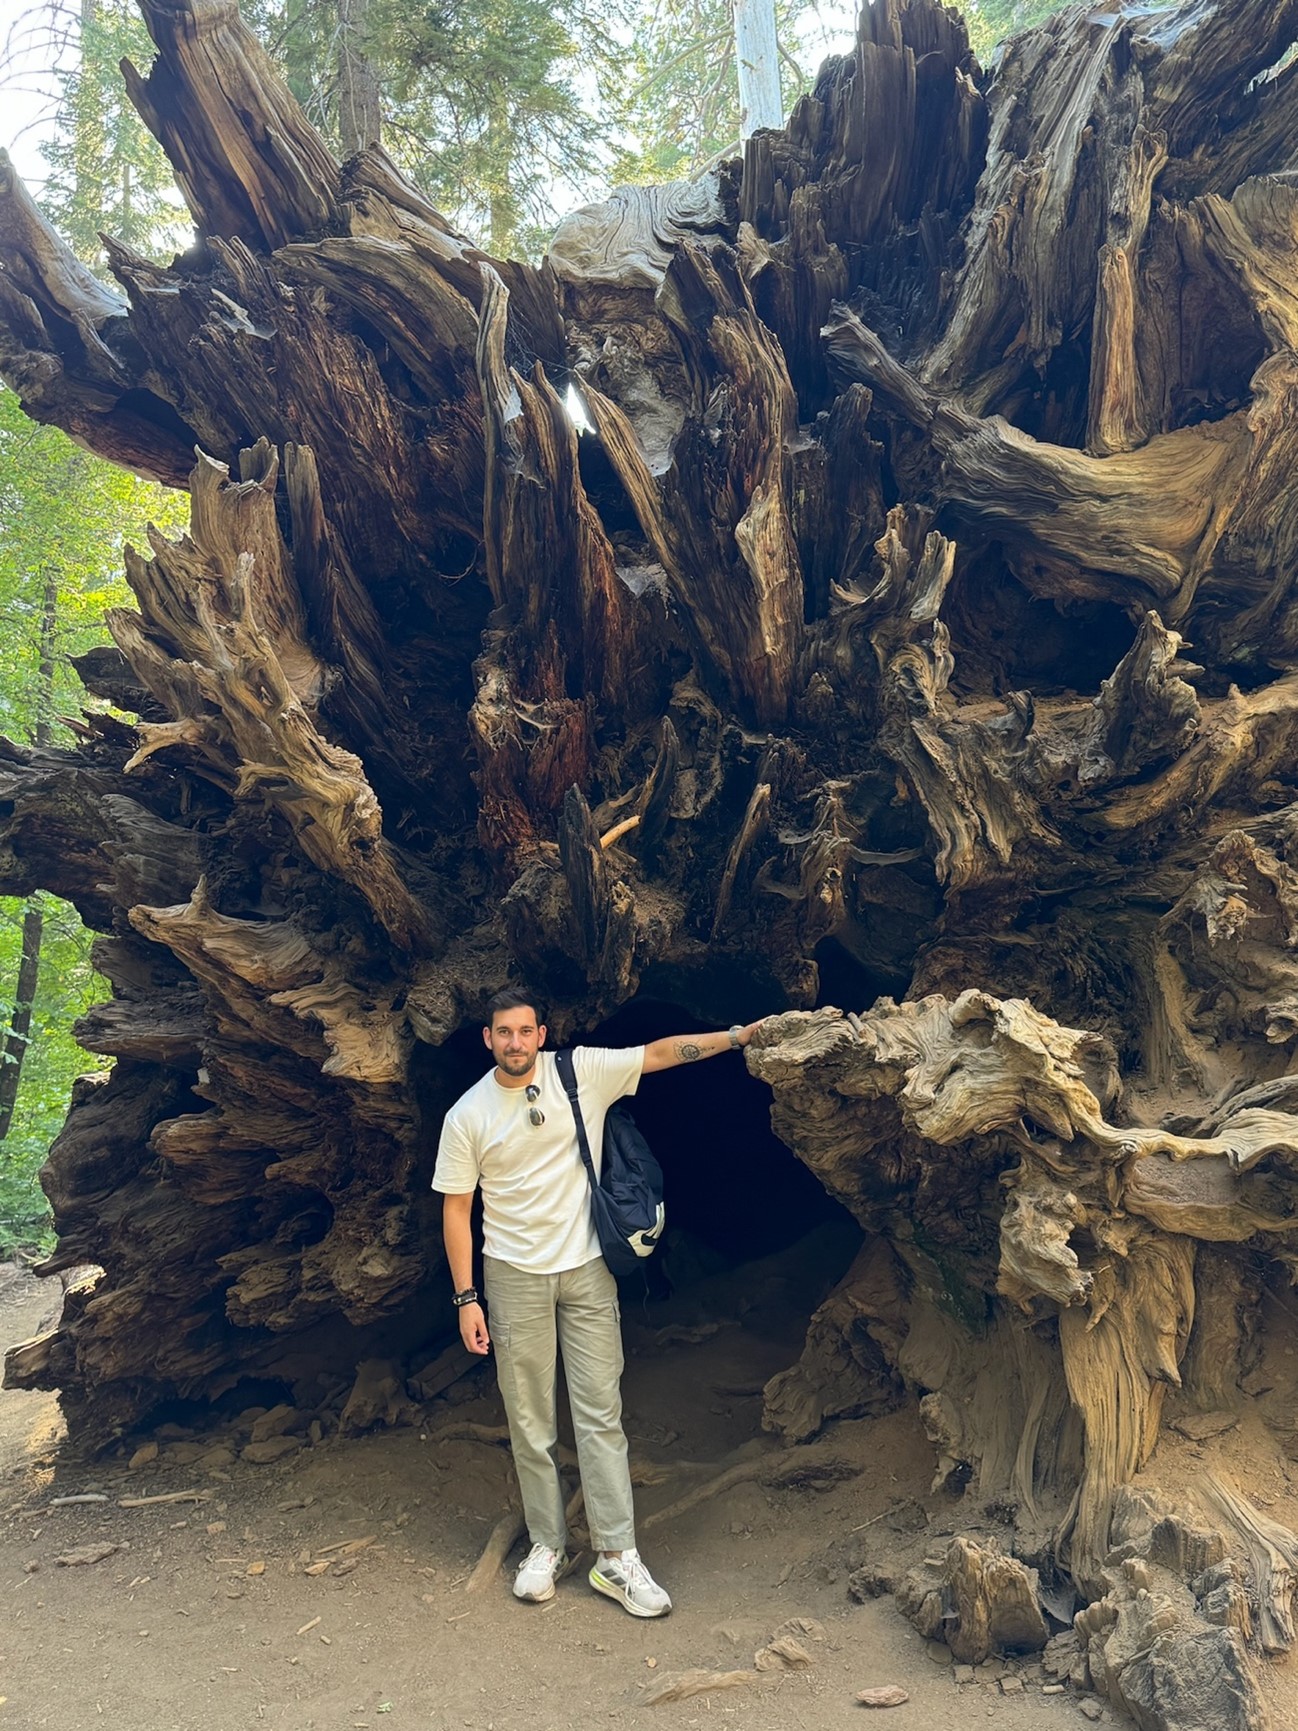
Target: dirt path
205,1618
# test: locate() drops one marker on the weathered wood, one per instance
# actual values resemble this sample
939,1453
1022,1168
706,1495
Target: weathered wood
978,1602
248,162
930,442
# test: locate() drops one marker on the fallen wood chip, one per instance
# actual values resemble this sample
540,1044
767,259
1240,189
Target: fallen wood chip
256,1569
1200,1426
165,1497
345,1547
307,1627
782,1654
468,1430
890,1695
619,830
687,1683
805,1627
87,1554
84,1497
501,1540
318,1568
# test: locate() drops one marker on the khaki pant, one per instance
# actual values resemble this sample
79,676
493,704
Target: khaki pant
525,1312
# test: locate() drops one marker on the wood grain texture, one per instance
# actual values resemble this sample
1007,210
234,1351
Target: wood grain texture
916,612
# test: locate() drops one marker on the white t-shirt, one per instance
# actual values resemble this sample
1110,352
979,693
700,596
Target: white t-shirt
535,1193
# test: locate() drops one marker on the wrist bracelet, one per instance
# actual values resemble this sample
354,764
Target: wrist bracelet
736,1044
468,1296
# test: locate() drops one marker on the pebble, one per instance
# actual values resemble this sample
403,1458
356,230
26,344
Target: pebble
965,1674
184,1454
1090,1707
938,1652
143,1456
1011,1685
274,1423
887,1695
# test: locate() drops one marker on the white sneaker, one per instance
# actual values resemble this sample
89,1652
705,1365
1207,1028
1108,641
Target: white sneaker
626,1579
537,1574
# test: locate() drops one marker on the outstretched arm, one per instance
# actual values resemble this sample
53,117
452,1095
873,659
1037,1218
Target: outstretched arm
676,1049
457,1235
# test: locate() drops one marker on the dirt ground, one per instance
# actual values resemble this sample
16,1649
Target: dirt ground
211,1615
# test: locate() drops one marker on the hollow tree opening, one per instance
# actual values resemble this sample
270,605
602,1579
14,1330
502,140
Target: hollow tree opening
730,1183
415,720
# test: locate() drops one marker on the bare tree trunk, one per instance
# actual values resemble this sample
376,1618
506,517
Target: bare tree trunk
757,58
360,101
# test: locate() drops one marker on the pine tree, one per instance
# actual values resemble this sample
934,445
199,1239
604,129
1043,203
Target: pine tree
107,174
492,107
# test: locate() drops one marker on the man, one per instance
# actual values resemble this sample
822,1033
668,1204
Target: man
513,1136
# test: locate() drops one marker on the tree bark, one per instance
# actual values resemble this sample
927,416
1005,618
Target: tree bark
927,439
360,100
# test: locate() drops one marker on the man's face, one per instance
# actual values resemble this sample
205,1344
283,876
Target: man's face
514,1038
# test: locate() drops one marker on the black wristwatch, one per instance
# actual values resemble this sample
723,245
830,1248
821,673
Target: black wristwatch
468,1296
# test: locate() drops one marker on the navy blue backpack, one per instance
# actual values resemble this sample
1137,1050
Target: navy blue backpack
626,1199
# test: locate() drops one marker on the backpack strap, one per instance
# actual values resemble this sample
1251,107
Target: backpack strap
568,1076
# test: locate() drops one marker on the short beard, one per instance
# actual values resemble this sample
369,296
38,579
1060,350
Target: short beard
516,1066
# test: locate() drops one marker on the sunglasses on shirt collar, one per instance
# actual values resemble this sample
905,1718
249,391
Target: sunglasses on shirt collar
535,1116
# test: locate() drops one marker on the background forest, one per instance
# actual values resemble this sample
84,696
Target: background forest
508,113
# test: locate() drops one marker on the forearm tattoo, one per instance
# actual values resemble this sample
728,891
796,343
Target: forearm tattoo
687,1051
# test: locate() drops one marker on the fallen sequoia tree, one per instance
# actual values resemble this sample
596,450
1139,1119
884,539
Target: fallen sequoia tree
924,442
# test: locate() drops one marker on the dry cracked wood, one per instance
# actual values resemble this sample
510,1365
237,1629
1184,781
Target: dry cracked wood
949,655
1019,1103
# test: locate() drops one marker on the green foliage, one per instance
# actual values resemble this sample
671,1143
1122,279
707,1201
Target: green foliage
683,99
487,110
491,106
107,174
991,21
65,512
60,509
67,986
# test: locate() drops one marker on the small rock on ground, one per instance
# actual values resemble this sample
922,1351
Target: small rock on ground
83,1554
887,1695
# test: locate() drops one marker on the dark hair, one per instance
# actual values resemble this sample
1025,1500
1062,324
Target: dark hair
513,998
